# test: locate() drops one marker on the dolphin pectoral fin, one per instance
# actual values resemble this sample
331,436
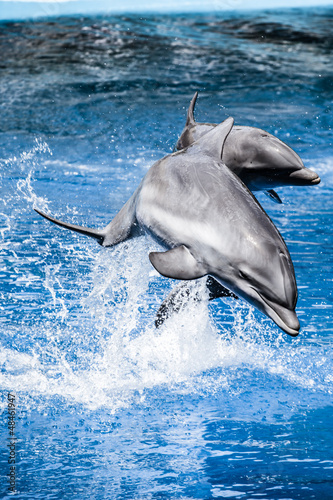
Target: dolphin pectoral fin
216,290
190,116
273,196
177,263
94,233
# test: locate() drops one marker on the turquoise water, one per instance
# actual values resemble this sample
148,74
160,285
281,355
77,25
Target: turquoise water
218,403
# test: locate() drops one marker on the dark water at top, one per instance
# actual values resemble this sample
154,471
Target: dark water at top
219,403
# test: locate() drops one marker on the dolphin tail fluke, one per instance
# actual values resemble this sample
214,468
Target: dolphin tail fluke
273,195
190,113
94,233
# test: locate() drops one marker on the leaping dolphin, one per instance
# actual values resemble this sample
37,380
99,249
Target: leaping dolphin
260,159
262,162
211,225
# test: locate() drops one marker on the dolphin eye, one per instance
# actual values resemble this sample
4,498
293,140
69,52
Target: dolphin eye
264,135
243,275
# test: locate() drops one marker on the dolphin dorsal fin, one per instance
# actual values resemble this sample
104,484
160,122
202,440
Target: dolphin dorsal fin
190,116
213,142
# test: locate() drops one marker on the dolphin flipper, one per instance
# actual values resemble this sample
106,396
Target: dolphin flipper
273,195
178,298
177,263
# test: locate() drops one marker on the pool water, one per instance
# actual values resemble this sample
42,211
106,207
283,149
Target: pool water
218,403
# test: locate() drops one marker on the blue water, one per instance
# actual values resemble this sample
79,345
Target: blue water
219,403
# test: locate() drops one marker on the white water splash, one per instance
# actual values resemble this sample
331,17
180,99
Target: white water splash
134,358
21,190
117,356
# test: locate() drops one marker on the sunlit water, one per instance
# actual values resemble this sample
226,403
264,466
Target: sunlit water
218,403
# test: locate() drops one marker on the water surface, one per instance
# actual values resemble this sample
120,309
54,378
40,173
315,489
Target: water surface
219,403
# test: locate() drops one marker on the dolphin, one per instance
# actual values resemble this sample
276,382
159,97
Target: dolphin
260,159
210,224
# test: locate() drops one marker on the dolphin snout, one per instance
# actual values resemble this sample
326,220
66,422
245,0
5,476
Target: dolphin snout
304,176
288,320
298,174
285,318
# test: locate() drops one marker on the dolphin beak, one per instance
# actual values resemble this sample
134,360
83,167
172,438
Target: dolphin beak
294,168
285,318
304,177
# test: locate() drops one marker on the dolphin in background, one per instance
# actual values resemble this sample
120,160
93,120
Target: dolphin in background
210,225
260,159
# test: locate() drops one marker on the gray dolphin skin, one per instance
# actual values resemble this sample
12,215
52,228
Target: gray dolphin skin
260,159
211,225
